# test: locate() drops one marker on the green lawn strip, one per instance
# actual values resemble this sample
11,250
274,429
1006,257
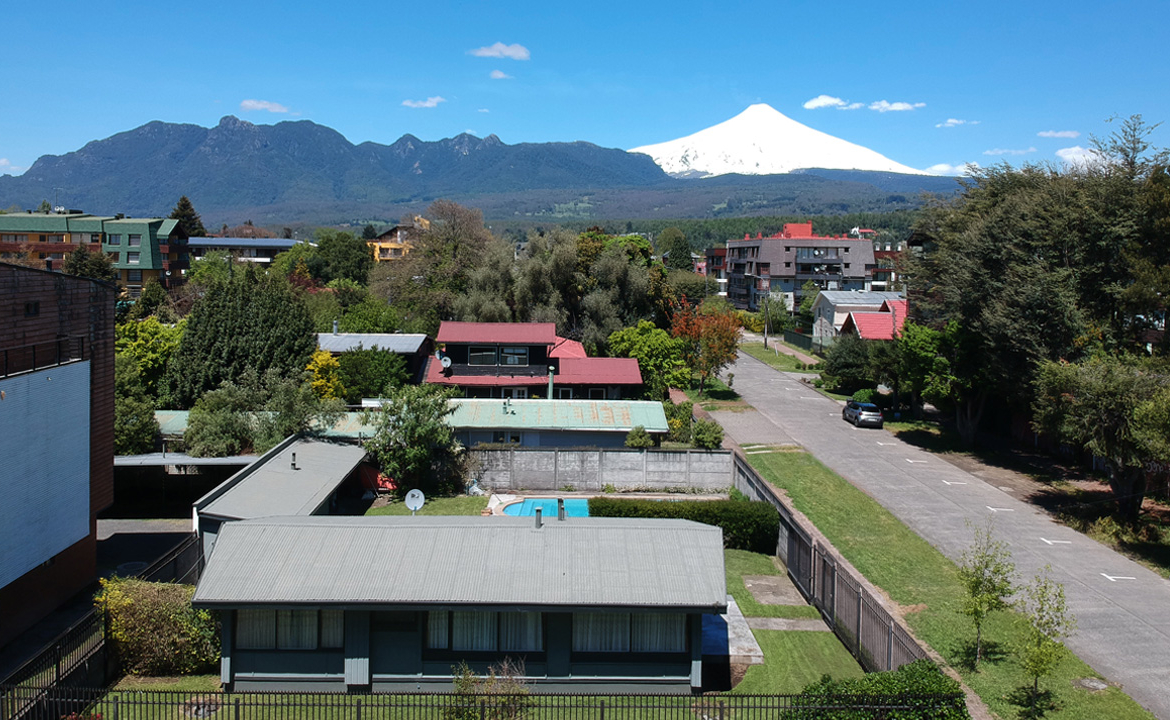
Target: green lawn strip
741,562
184,683
458,505
716,396
778,360
795,659
900,562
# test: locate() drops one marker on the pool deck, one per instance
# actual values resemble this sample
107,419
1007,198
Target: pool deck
497,502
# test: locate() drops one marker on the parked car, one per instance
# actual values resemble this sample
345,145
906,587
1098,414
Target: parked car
862,414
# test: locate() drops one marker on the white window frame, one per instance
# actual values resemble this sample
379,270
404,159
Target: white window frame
482,351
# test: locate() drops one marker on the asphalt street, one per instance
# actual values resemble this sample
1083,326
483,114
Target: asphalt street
1122,609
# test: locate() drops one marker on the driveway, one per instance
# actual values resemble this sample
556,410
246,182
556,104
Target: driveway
1122,609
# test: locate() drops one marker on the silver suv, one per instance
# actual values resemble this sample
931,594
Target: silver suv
862,414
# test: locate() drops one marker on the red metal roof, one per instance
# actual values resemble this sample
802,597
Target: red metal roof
874,325
598,371
566,348
504,333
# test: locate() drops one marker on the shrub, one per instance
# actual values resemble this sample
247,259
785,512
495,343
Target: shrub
708,434
865,395
154,629
938,696
639,438
500,695
678,419
751,526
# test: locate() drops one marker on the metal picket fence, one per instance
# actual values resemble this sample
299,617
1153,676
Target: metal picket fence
876,638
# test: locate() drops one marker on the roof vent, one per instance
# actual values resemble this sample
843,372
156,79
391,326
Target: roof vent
293,464
560,508
539,521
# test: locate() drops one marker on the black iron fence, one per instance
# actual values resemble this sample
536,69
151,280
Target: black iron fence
97,704
80,657
24,358
875,637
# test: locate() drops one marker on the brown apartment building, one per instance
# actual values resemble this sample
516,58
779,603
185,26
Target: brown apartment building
56,437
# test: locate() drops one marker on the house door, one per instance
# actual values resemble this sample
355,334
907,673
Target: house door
515,393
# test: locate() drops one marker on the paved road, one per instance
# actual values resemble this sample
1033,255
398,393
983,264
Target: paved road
1122,609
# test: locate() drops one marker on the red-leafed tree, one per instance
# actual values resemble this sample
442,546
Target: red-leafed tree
711,334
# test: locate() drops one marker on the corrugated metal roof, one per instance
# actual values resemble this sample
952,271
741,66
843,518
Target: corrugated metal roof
275,488
599,371
850,297
566,348
497,332
616,415
401,343
467,561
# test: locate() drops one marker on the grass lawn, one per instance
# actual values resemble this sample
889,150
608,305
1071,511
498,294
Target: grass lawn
778,360
185,683
741,562
716,396
925,582
794,659
458,505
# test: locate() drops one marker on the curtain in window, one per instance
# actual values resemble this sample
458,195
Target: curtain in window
437,630
256,629
296,629
601,632
332,628
658,632
472,630
521,631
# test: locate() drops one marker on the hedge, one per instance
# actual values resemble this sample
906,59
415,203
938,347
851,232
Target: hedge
154,629
932,695
753,526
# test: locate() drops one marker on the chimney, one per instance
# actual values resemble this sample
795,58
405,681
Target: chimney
537,515
293,464
551,369
560,508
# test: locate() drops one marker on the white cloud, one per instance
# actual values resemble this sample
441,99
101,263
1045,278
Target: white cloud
7,167
428,103
483,110
263,105
1077,155
853,106
500,50
883,106
947,169
823,101
955,122
1002,151
1058,134
499,75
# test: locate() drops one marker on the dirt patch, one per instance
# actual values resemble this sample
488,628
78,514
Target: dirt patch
773,590
905,610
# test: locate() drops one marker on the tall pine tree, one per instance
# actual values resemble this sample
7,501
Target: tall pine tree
188,219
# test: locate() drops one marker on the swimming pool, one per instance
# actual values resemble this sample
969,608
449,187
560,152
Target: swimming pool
574,507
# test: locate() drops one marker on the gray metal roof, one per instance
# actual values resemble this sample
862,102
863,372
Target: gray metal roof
401,343
850,297
270,486
466,561
157,459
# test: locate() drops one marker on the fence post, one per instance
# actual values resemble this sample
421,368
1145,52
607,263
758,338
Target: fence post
482,710
359,710
834,608
556,469
115,711
857,637
720,710
602,716
890,646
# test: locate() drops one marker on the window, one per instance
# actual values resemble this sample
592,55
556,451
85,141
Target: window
517,393
564,393
601,632
133,276
32,309
133,240
289,629
132,257
481,355
95,237
521,631
505,437
514,356
473,630
14,238
55,238
115,239
658,632
484,631
597,393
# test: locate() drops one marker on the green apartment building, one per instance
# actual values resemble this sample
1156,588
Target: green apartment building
142,248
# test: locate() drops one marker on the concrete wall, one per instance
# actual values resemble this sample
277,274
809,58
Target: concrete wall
591,470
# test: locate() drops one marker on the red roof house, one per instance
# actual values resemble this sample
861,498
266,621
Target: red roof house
885,324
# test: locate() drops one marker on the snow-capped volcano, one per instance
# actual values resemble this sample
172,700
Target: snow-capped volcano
763,141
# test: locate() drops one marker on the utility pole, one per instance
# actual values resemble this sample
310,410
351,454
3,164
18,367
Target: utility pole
766,320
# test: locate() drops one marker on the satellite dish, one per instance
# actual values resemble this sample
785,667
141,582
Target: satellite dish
414,500
438,354
445,362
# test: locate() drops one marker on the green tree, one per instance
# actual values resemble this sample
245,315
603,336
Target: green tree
135,428
252,322
44,207
216,266
1116,410
325,375
189,220
804,311
675,249
371,372
659,356
1049,623
639,438
986,573
345,256
710,336
83,263
413,442
847,364
155,301
707,434
150,344
371,315
369,232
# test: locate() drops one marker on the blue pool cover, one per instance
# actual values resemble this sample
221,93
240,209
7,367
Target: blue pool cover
574,507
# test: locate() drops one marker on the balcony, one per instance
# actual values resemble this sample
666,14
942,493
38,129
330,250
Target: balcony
25,358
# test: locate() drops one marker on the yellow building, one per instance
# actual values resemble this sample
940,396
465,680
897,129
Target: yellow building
398,241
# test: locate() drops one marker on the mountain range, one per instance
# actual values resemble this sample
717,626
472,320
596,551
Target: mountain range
300,171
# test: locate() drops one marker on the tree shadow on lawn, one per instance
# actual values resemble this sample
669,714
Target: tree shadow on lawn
993,654
1033,706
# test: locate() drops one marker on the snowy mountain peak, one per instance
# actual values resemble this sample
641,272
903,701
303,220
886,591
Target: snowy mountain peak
763,141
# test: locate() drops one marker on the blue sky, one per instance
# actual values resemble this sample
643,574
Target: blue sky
979,81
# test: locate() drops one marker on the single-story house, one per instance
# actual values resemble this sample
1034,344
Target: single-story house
414,348
300,476
885,324
554,423
832,307
394,603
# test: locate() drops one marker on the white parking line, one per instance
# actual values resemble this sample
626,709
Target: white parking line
1057,542
1115,578
1000,509
914,461
954,482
